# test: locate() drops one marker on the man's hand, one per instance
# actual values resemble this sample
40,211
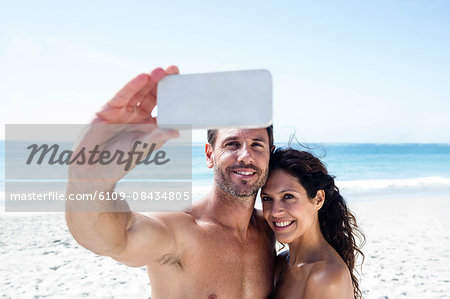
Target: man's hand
134,103
125,119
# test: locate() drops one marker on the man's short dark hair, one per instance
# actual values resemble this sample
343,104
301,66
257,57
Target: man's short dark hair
212,136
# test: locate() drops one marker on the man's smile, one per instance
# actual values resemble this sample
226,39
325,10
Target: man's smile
244,172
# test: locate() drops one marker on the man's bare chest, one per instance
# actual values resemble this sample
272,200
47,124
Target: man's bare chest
225,252
228,265
213,262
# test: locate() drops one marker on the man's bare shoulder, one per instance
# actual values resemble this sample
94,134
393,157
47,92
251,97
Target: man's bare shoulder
174,220
182,221
329,279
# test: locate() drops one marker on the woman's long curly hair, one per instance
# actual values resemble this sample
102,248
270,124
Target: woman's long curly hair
337,223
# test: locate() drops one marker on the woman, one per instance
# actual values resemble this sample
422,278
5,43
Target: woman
305,210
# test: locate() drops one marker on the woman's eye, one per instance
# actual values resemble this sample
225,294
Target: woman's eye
288,196
266,198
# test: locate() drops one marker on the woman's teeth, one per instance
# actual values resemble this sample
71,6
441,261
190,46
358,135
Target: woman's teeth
283,223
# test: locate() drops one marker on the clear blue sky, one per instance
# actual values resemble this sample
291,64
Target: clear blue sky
344,71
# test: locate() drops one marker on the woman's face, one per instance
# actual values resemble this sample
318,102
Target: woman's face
286,207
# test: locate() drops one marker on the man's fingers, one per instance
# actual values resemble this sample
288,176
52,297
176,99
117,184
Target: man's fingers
140,86
129,90
138,94
146,98
142,96
148,103
172,70
157,74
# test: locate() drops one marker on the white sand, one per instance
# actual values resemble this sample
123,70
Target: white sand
407,255
39,258
408,247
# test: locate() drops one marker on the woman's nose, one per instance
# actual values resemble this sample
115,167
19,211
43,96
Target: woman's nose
277,209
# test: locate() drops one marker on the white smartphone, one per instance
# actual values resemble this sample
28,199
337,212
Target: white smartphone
238,99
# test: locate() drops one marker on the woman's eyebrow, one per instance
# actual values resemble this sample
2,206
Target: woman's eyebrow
282,191
287,190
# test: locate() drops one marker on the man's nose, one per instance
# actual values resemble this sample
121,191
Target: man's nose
245,155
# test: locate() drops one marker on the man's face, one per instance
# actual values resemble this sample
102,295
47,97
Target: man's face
241,160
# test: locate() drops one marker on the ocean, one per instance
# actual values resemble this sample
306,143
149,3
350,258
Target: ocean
365,171
361,171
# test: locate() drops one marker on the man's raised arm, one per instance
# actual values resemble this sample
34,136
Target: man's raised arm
108,227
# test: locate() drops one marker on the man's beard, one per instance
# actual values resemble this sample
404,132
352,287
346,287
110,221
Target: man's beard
244,188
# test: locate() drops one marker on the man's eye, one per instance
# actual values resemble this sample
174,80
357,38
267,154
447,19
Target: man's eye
234,143
266,198
257,144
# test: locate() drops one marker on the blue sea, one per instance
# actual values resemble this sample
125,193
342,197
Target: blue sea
369,170
361,170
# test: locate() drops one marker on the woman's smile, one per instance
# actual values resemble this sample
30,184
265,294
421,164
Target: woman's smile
282,225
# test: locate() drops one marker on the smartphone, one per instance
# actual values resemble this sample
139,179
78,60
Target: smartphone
238,99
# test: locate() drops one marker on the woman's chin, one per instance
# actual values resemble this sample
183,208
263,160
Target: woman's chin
284,239
286,234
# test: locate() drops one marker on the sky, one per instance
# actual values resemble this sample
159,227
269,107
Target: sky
343,71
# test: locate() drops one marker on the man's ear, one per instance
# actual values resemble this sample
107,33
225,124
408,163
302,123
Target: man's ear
272,149
319,200
209,155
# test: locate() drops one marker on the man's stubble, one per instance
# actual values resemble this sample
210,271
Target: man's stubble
244,189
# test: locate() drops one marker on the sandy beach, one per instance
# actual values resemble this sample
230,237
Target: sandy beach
407,255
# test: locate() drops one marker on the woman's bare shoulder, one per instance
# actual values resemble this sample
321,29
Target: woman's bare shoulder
329,279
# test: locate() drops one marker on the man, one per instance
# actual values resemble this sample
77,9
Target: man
223,248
